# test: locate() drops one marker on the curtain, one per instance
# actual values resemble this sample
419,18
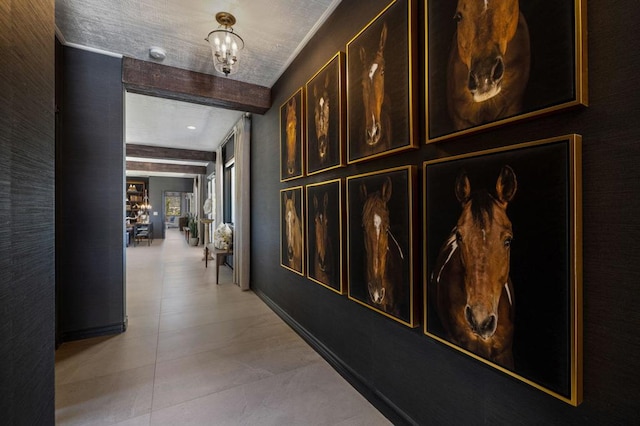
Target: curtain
242,228
218,213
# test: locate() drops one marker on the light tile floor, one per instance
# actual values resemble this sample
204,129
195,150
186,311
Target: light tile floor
197,353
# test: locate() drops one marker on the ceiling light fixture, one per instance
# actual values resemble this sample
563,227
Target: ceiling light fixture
191,127
225,44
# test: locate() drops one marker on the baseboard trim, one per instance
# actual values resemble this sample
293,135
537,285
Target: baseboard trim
377,399
87,333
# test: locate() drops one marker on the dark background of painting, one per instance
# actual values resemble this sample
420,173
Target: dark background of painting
551,32
297,191
336,105
297,169
399,225
334,213
396,80
539,253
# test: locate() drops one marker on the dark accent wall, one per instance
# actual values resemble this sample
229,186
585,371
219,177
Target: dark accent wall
157,187
27,213
90,203
414,379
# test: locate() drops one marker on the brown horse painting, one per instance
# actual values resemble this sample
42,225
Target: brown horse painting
323,258
489,62
322,108
292,140
293,233
377,128
470,285
383,255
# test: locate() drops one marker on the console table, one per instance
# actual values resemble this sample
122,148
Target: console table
219,254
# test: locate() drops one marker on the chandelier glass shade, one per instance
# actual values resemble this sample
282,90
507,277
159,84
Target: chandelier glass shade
225,44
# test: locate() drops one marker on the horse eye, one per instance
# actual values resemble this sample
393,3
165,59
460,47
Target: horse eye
458,237
508,241
457,17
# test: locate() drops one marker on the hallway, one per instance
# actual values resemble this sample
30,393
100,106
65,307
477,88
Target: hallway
197,353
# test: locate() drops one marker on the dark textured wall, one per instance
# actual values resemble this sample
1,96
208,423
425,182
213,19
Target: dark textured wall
27,213
425,381
90,206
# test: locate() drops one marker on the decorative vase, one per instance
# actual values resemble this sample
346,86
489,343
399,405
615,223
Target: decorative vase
193,241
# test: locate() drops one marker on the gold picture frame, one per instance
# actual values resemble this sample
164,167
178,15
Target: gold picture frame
326,116
503,260
542,70
292,229
380,243
381,117
292,137
324,229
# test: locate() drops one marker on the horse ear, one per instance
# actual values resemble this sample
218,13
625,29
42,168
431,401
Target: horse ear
463,187
363,191
293,103
506,185
326,81
315,202
383,37
315,91
326,200
293,196
386,190
363,55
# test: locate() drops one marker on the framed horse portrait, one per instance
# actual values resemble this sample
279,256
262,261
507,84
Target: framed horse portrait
380,245
291,230
489,63
325,117
291,135
503,260
381,91
324,234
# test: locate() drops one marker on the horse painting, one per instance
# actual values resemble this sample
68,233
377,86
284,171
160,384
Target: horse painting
323,257
470,286
291,135
322,108
383,255
377,128
489,62
293,233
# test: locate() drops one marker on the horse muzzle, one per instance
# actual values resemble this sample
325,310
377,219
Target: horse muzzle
373,134
376,293
485,78
482,323
322,146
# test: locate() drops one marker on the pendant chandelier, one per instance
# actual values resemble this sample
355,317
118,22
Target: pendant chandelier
225,44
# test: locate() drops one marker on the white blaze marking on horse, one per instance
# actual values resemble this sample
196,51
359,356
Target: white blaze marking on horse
289,228
486,5
484,236
321,102
372,70
453,244
506,287
377,220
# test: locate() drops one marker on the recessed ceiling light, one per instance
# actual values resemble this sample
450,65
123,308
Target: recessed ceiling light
191,127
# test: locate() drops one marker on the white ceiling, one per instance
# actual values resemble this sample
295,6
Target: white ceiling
274,32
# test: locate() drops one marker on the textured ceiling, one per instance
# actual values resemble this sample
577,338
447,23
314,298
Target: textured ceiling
274,32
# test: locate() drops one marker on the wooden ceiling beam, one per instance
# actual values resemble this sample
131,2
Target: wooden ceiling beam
148,78
157,152
165,168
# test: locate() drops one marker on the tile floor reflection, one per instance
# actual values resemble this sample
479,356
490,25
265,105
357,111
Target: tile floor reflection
197,353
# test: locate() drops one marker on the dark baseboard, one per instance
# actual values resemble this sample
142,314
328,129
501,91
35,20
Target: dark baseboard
378,400
87,333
